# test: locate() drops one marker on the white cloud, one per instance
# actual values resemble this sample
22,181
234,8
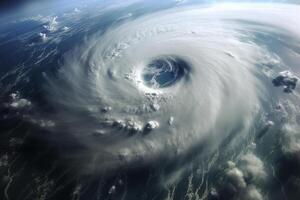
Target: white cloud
18,102
52,24
43,36
290,140
236,177
240,176
252,194
252,166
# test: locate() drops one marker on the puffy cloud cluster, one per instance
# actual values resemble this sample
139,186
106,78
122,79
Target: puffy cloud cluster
290,141
51,24
243,178
18,102
252,166
286,79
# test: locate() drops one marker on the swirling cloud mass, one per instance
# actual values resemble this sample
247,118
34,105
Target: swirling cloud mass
190,102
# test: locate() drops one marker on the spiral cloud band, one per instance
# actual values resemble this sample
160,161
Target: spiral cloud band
151,100
165,83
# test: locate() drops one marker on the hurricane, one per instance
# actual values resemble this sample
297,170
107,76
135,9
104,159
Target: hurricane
188,102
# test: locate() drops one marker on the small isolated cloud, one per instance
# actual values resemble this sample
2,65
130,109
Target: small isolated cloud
66,28
43,37
52,24
76,10
18,102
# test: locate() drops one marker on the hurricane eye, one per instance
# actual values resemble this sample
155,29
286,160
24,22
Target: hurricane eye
164,72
